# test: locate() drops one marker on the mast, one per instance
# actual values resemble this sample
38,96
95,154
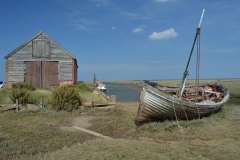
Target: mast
185,74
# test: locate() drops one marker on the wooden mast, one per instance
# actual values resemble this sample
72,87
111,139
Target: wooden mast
185,74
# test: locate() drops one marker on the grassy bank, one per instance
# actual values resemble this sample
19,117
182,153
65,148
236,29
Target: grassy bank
48,134
38,135
26,134
232,84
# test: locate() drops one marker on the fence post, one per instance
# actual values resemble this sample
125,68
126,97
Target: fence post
113,98
92,103
16,105
41,103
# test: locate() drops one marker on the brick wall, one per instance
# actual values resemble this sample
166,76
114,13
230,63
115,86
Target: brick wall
6,74
64,83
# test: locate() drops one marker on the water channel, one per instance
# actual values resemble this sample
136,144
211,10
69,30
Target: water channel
131,94
124,93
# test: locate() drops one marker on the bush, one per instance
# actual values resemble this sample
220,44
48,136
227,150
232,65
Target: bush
65,98
22,95
21,85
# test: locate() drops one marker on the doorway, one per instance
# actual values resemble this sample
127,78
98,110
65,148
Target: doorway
41,73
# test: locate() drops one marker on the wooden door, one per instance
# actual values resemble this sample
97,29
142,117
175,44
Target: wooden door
42,73
32,73
49,74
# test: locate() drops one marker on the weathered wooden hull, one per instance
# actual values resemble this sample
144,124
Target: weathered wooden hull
158,105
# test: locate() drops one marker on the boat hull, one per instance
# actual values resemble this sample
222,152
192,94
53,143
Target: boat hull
156,105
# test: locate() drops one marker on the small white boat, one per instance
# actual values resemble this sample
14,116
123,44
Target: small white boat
102,88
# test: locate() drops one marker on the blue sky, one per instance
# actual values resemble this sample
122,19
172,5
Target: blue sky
130,39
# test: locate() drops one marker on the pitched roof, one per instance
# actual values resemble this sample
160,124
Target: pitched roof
39,33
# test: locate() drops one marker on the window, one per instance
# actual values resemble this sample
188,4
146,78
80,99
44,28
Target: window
41,49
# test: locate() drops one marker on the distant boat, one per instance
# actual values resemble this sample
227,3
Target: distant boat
161,102
101,86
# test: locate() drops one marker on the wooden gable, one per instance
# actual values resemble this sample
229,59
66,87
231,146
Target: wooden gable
42,62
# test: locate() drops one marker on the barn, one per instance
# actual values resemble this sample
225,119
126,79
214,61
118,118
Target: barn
42,62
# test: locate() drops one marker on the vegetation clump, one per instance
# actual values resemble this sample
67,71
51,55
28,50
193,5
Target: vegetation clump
21,92
65,98
21,85
22,95
80,86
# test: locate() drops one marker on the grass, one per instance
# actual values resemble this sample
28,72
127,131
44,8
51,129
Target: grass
44,94
89,96
195,139
37,135
25,134
5,96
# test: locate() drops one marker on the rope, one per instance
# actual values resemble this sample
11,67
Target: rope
130,93
197,71
135,95
179,127
174,110
184,112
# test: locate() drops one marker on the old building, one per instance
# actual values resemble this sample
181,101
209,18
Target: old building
42,62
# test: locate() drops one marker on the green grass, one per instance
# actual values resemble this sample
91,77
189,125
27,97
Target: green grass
39,94
25,134
37,135
5,96
45,94
89,96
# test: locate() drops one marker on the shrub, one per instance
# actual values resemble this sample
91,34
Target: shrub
21,85
22,95
65,98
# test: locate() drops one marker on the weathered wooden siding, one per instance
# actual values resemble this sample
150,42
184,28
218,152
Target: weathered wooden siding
16,71
17,67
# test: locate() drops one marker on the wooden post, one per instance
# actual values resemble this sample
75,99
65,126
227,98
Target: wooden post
41,103
92,103
16,105
113,98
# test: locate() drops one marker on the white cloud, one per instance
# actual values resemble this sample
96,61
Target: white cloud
129,14
170,33
137,30
114,27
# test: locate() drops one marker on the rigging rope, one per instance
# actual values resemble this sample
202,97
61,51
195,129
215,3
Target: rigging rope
197,69
130,93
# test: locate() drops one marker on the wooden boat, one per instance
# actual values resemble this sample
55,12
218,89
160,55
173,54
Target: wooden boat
161,102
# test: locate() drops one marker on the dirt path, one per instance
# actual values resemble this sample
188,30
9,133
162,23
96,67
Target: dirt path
81,124
91,132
